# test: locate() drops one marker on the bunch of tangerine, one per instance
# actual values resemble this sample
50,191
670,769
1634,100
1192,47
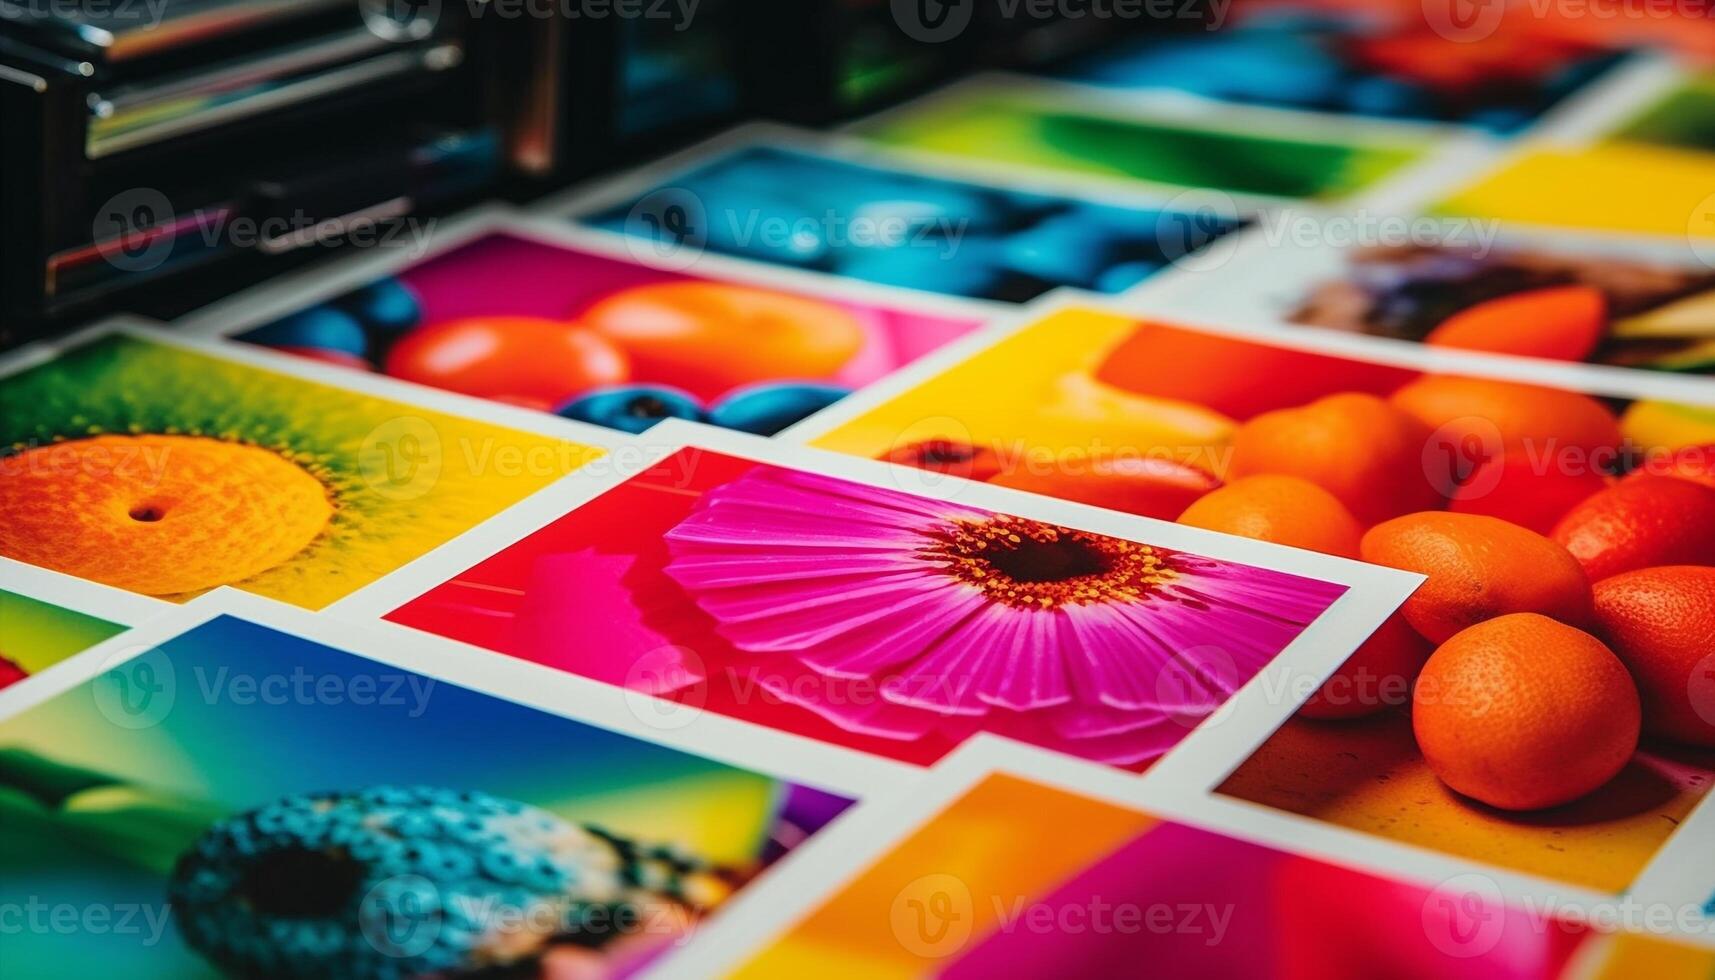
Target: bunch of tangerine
1564,612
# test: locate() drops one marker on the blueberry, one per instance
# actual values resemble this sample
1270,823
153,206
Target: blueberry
1272,67
631,408
968,267
1500,120
731,218
930,211
320,327
770,406
1124,276
386,306
1379,95
1071,248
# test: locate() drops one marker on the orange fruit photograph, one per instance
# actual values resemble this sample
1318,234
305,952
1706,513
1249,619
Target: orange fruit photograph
1567,748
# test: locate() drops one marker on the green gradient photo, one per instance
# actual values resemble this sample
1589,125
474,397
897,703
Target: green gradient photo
1048,127
46,618
1684,117
35,635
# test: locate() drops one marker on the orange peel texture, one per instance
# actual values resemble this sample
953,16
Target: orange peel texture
158,514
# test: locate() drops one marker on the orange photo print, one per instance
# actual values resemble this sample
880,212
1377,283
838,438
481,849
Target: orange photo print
1544,702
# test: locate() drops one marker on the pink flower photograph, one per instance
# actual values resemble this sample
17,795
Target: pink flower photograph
874,618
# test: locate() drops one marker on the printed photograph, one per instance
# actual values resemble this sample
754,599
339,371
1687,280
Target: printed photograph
901,228
36,634
949,899
137,462
245,802
1534,303
1363,63
1537,704
1683,116
1644,304
605,340
1073,131
1646,189
871,618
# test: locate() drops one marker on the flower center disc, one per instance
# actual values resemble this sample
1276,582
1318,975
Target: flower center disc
1049,561
1032,564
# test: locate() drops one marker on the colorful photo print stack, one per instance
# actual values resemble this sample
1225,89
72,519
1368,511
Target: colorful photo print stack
949,898
867,617
136,461
901,228
1367,63
599,338
237,801
1539,703
1074,132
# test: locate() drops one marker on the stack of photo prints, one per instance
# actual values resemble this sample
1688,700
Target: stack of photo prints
1238,505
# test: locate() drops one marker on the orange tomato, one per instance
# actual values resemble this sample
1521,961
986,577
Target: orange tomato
1528,492
709,338
1661,623
1473,419
518,359
1562,323
1356,446
1282,509
1478,568
1652,520
1694,463
1524,713
1235,376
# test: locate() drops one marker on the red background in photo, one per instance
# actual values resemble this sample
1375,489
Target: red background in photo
491,605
